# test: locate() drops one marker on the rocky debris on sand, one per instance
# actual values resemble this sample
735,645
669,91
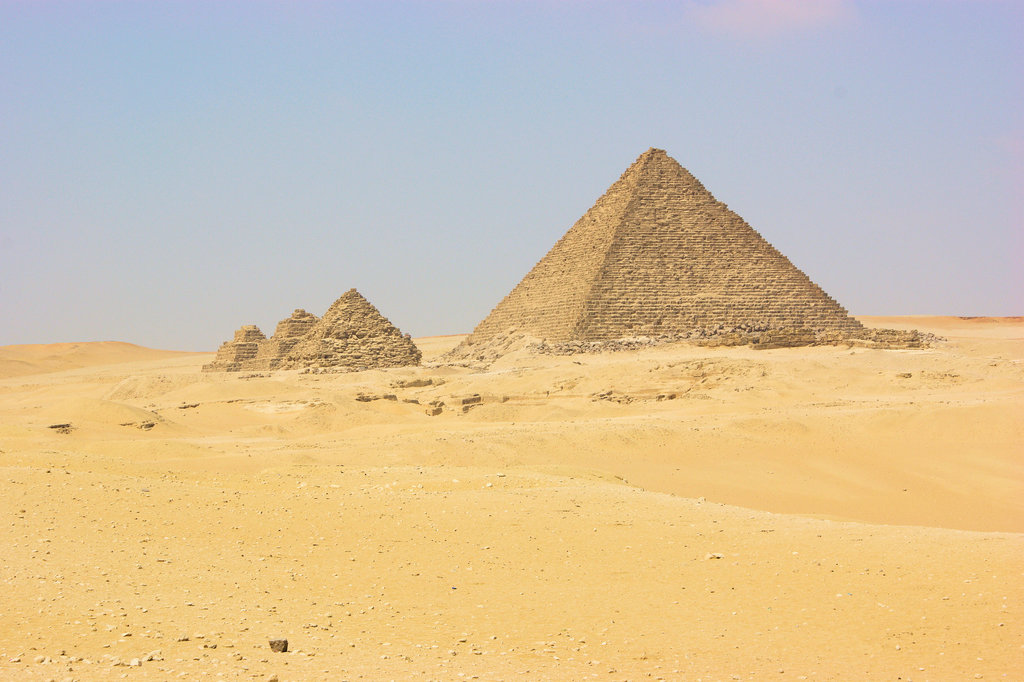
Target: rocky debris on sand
898,338
417,383
370,397
757,336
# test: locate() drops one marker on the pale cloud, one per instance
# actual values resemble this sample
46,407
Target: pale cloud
768,18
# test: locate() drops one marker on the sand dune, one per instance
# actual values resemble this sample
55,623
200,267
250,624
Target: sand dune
677,512
27,359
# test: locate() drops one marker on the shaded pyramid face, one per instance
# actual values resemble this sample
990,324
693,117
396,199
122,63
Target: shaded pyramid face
287,335
352,333
659,255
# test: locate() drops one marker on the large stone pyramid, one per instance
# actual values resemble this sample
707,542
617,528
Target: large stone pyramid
659,256
351,334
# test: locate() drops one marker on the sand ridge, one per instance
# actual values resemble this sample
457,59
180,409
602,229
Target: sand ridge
676,512
25,359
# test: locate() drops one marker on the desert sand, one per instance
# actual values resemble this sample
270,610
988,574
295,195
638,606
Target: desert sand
678,512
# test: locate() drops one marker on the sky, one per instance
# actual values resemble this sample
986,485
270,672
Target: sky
170,171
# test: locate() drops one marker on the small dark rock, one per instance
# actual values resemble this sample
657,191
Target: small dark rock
279,645
413,383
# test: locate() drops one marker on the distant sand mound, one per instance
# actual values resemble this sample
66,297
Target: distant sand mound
100,412
26,359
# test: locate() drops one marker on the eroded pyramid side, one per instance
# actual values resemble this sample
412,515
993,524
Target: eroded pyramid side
681,261
234,355
550,299
289,332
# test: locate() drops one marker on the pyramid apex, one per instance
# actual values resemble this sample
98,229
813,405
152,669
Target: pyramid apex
350,297
351,293
651,158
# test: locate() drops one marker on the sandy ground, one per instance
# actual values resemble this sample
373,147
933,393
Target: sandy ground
674,513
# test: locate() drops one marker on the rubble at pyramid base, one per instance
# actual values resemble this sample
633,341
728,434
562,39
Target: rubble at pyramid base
659,258
758,337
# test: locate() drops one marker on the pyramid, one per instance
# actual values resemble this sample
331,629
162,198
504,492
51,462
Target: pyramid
240,350
286,336
659,256
353,333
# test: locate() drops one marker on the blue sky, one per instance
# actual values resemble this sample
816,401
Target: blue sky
173,170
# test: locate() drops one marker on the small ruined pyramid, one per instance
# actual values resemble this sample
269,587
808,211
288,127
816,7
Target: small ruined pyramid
286,336
659,256
353,333
240,350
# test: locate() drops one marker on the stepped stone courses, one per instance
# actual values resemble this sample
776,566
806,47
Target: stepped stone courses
352,334
658,256
234,354
286,336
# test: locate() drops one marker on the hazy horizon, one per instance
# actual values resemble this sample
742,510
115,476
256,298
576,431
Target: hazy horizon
174,170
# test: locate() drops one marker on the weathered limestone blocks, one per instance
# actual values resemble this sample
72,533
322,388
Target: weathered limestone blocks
296,325
286,336
233,354
352,334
